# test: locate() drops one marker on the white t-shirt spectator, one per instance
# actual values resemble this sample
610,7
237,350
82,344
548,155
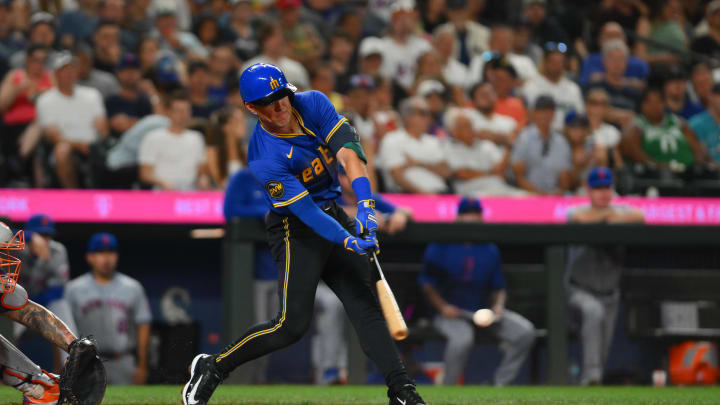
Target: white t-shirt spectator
606,136
566,93
175,157
456,74
75,116
399,60
498,124
396,146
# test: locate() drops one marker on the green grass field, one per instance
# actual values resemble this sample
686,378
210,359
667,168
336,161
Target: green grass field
375,395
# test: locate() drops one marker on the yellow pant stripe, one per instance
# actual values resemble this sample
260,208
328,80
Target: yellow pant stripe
284,300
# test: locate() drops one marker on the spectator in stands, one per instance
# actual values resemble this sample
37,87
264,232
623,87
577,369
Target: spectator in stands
453,72
670,42
522,42
545,28
206,30
341,60
471,37
198,82
465,277
478,165
706,126
40,31
541,159
46,271
624,92
72,117
385,116
709,44
174,158
593,274
370,53
174,38
624,16
554,82
226,144
130,105
304,43
701,80
78,25
322,79
112,307
501,47
222,72
106,43
433,92
89,76
675,90
489,125
412,160
661,140
403,46
503,77
273,46
604,137
593,67
239,30
581,148
18,92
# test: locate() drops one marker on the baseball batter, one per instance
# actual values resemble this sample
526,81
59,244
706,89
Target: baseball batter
114,308
294,154
37,385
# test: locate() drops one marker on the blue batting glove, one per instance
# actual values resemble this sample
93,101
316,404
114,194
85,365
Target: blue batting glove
358,245
365,219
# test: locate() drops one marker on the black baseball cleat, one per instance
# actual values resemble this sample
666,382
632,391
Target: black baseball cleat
405,395
204,378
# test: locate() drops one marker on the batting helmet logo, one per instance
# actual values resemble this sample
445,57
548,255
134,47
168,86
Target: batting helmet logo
275,189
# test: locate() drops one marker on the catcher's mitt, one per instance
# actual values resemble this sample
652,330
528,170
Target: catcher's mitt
83,379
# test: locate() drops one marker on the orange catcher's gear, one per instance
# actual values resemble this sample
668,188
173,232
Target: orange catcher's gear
9,264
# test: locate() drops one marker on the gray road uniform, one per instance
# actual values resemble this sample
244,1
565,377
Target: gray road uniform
593,283
111,312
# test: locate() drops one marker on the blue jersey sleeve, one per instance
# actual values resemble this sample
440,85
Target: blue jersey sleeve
383,205
497,280
431,272
324,116
281,188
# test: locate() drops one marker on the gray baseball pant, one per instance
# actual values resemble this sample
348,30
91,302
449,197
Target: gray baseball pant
515,333
599,314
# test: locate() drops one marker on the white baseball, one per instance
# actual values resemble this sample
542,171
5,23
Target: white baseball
483,317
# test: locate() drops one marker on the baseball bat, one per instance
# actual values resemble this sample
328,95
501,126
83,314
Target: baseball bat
390,309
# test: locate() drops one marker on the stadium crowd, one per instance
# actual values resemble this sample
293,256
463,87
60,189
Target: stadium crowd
482,97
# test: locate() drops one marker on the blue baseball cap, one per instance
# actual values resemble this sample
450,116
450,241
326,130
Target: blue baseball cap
263,83
102,242
41,224
600,177
469,205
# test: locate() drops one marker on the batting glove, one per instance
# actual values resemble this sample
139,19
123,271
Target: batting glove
358,245
365,219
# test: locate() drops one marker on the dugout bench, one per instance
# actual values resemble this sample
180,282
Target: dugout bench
242,234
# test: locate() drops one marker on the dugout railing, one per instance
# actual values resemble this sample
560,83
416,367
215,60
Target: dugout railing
552,239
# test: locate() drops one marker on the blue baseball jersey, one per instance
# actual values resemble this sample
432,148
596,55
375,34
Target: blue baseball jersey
463,274
291,166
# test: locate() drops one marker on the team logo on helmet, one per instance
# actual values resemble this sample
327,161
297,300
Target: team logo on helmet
274,84
275,189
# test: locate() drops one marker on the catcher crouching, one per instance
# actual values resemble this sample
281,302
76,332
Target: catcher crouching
82,380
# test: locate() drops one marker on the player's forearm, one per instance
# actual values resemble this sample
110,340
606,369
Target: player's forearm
353,165
39,319
143,336
437,301
497,300
323,224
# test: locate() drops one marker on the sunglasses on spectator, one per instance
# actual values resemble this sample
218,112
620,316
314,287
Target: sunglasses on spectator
556,47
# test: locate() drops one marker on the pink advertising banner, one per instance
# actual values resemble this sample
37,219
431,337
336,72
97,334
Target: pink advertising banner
206,207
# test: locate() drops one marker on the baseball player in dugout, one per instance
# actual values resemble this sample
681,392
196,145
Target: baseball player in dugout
294,153
460,278
18,371
113,308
